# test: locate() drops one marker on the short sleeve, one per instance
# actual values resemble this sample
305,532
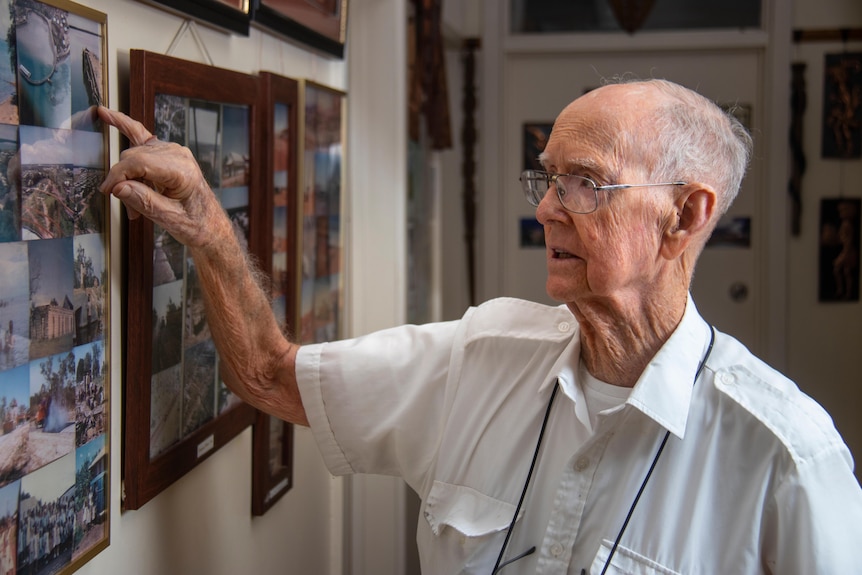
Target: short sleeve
376,403
814,526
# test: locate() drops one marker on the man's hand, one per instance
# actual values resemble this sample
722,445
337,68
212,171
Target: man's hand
163,182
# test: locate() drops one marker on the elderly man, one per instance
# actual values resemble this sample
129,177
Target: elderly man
616,433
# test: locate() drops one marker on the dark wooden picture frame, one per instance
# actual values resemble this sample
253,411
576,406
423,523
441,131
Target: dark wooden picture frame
272,439
229,15
320,24
55,365
148,471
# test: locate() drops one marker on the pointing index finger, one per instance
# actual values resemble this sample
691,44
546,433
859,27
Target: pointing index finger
137,134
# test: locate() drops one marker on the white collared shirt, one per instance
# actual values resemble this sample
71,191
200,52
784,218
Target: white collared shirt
753,479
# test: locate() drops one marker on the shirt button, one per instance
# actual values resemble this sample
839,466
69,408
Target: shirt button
563,326
556,549
582,463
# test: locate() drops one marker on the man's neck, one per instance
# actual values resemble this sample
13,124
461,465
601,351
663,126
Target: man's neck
619,338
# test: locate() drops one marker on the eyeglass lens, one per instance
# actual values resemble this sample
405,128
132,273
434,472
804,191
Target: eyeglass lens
577,194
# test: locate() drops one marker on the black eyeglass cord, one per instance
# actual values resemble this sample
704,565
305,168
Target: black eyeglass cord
531,550
498,565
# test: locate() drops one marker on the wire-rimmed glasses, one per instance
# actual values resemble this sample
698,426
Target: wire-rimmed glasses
577,194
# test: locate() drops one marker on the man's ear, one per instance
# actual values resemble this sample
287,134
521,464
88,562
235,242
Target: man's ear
695,208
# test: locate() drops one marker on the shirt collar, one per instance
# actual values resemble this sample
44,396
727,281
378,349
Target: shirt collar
663,391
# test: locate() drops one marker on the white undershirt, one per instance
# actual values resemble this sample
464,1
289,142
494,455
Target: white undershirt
600,396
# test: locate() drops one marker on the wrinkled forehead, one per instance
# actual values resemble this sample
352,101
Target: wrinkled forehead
603,128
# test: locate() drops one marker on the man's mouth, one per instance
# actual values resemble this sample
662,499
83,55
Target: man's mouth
561,254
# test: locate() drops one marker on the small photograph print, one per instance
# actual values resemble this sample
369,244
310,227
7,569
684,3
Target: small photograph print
320,323
168,257
44,71
235,203
196,329
321,246
15,414
279,309
731,232
52,409
52,313
226,398
91,402
279,274
88,294
10,183
9,527
170,118
199,386
48,203
536,136
204,137
88,205
532,233
167,325
281,152
46,518
839,249
91,505
85,37
276,446
14,305
279,229
327,180
165,409
235,147
8,74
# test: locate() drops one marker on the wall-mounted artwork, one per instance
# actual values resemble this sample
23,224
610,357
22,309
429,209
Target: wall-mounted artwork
272,456
229,15
842,106
839,249
178,410
321,299
731,232
319,24
55,352
536,136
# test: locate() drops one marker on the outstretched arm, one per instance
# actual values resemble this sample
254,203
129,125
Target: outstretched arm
162,182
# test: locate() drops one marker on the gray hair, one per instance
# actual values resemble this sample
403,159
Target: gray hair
693,139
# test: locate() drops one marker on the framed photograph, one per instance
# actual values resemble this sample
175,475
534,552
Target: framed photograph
321,284
840,220
272,456
842,108
55,356
536,136
177,408
228,15
320,24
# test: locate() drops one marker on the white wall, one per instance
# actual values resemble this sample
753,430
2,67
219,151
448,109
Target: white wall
202,524
824,338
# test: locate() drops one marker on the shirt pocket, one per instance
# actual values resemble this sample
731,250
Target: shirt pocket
469,526
627,562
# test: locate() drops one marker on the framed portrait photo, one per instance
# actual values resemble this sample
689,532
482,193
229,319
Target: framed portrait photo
178,410
320,24
272,455
55,353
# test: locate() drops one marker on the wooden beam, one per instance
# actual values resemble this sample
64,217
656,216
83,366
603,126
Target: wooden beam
828,35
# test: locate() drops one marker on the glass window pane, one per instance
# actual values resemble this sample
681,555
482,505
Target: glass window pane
555,16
